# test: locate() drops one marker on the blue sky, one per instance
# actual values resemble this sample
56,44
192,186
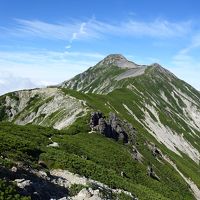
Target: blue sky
45,42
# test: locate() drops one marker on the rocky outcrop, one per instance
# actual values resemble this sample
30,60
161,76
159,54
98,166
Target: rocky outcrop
88,193
151,173
56,184
156,152
34,183
136,154
112,127
93,190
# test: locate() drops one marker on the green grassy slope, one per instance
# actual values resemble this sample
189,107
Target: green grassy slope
147,90
91,155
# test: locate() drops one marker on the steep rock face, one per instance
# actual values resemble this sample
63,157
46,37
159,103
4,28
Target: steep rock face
112,127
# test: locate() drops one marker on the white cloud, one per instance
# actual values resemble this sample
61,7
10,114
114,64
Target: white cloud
38,68
157,28
186,64
74,30
9,82
68,46
92,28
195,43
186,67
80,32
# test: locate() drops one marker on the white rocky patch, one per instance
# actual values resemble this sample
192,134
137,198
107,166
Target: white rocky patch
88,194
169,138
67,179
172,94
163,96
22,183
65,107
131,113
128,109
191,112
133,88
184,117
111,106
131,73
54,144
192,92
179,93
68,119
193,186
90,89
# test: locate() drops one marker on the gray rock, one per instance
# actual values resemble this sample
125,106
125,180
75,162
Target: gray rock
94,120
14,169
136,154
112,127
151,173
22,183
102,125
156,152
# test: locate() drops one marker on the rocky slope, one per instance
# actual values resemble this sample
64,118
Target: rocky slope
58,184
149,111
108,72
169,108
46,107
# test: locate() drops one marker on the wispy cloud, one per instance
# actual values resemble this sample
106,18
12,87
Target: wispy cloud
43,56
50,67
37,68
92,28
74,30
158,28
9,82
195,43
68,46
186,65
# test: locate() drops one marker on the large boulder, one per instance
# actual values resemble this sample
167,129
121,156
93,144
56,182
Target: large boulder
112,127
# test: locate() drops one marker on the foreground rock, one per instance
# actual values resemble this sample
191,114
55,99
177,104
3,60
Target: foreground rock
93,190
57,185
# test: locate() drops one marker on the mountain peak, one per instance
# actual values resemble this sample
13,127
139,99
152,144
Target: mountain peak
118,60
117,57
156,65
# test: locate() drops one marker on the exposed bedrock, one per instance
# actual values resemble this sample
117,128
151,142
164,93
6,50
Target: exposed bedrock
112,127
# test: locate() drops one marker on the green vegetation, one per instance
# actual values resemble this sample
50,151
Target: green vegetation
103,159
75,189
91,155
93,76
8,192
23,143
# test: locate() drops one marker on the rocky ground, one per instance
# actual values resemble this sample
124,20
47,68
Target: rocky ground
57,184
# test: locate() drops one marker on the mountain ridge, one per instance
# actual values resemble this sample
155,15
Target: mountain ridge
162,109
108,72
